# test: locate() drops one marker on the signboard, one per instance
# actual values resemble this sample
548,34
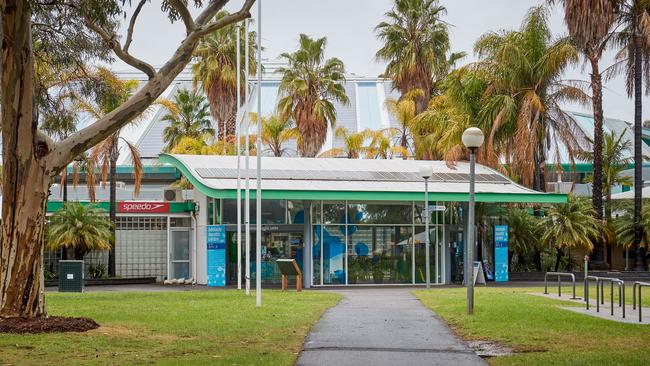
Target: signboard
501,253
142,207
436,208
479,277
216,245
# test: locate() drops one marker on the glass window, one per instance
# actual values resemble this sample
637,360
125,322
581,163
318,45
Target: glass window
334,213
315,212
380,213
273,211
180,222
379,254
295,212
436,216
333,238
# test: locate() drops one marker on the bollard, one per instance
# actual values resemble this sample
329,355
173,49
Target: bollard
586,288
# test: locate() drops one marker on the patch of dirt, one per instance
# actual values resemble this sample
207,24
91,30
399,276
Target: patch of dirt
51,324
489,349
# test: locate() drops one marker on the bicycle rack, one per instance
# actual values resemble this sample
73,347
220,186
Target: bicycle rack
639,285
559,282
586,289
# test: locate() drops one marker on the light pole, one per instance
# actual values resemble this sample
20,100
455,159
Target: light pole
472,139
425,172
238,133
258,155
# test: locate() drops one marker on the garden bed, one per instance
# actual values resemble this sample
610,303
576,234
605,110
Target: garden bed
108,281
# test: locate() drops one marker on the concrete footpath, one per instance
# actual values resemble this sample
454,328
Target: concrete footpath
383,326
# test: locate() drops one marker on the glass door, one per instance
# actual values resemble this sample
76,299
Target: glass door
179,254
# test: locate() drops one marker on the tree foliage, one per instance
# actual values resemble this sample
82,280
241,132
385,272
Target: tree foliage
81,228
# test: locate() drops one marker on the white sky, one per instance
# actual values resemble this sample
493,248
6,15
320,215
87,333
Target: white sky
349,24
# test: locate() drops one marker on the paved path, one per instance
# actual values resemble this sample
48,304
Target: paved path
383,327
631,315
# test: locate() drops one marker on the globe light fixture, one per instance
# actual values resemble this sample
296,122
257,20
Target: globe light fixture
473,138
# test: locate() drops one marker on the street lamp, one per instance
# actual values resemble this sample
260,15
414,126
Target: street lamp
425,172
472,139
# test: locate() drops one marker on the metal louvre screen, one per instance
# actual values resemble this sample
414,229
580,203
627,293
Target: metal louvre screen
362,176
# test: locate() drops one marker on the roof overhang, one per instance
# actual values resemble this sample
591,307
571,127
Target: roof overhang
313,180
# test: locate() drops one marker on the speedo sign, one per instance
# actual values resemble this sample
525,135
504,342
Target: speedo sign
143,207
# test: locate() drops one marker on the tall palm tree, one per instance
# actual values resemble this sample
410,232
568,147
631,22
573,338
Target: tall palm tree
309,87
415,47
190,118
276,132
522,104
216,71
353,144
80,228
569,225
590,24
633,40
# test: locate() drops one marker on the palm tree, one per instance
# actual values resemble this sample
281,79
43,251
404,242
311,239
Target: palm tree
590,24
405,110
569,225
190,118
310,85
415,47
80,228
109,93
522,105
381,144
631,16
216,70
353,144
626,230
276,132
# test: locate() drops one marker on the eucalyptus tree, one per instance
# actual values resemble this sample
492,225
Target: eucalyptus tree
309,88
73,32
632,38
215,70
189,118
523,103
415,47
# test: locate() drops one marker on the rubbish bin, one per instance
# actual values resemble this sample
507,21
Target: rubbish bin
71,276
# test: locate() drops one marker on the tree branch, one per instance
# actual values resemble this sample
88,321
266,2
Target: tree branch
129,33
184,14
227,20
77,143
114,44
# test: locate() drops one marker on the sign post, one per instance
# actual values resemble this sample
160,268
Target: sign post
501,253
216,266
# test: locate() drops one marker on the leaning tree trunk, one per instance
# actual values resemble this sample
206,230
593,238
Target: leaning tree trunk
638,157
597,184
112,209
25,177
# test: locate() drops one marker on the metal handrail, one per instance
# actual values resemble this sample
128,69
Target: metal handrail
559,282
600,296
638,284
586,289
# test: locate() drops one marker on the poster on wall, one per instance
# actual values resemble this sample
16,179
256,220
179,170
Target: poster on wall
501,253
216,241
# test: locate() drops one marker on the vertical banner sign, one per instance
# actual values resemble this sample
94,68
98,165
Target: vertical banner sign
216,240
501,253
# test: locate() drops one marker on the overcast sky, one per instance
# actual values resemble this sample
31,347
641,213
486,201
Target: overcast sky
348,26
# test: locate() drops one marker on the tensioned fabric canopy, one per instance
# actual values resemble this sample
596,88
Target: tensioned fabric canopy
352,179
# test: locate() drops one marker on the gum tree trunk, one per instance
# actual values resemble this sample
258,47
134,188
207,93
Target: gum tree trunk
112,209
25,177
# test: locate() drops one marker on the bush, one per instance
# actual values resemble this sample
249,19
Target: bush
97,271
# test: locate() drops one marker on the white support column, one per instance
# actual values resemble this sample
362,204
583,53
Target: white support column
307,246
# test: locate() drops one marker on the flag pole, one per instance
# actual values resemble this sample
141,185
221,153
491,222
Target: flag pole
247,192
238,135
258,153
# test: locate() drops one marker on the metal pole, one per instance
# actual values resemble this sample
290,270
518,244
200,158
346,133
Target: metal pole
238,135
470,234
426,229
247,195
437,252
258,153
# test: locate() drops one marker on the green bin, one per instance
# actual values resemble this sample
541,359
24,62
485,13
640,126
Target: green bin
71,276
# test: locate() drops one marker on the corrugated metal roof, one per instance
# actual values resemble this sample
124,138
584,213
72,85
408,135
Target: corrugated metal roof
215,174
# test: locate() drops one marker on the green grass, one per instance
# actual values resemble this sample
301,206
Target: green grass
174,328
538,330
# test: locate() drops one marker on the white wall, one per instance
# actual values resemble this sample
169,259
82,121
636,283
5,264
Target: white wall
201,237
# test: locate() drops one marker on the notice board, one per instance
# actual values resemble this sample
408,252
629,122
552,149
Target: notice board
501,253
216,255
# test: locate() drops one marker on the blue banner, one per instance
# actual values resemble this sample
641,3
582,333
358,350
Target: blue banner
501,253
216,256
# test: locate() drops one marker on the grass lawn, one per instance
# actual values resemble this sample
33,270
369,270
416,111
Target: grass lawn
538,330
174,328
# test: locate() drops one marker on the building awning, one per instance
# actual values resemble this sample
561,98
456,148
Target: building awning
351,179
629,195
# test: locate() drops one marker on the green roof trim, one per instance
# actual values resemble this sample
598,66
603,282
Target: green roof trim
366,195
148,169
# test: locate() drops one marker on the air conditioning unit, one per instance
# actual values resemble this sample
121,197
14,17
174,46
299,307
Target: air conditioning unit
173,194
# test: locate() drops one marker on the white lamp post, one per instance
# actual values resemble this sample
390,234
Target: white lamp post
425,172
472,139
